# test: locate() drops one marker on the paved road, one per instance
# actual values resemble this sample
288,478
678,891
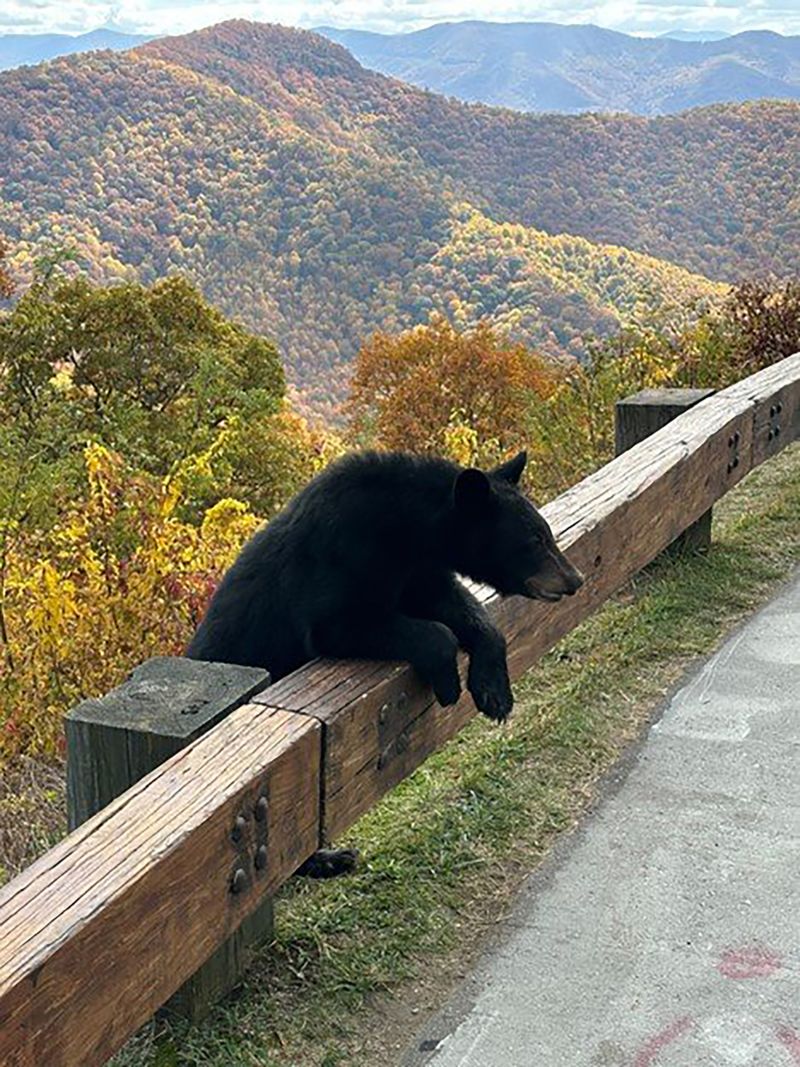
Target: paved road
666,931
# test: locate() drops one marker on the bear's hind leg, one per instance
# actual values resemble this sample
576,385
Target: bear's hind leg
329,863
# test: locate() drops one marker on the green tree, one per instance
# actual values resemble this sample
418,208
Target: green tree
6,284
152,371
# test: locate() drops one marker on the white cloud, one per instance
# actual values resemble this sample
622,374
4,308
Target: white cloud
178,16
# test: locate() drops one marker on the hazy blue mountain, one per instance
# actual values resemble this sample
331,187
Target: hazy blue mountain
18,49
541,66
695,35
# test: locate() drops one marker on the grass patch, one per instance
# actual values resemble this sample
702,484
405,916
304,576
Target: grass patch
353,960
33,812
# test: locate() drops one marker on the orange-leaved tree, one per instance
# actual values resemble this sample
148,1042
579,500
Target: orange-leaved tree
437,389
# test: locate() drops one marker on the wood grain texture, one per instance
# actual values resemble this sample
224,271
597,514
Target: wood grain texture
380,722
101,930
639,416
115,740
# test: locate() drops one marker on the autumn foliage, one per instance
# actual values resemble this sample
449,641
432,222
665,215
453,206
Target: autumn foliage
321,201
418,390
142,433
6,284
476,396
119,577
145,438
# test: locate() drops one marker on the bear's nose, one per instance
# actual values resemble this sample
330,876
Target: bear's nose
574,581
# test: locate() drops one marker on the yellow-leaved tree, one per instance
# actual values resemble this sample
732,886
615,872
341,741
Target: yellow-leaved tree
117,578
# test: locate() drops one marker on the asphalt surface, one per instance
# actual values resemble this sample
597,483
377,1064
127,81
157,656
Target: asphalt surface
666,931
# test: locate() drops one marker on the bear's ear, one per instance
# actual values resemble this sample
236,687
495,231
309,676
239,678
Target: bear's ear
511,471
471,491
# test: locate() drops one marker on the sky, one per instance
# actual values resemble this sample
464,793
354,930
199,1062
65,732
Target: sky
180,16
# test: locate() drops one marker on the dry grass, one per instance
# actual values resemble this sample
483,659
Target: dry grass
33,812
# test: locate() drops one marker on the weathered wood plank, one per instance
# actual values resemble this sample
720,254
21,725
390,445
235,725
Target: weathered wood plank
114,740
380,725
642,414
101,930
165,704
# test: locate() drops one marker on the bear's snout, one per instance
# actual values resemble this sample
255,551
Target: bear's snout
574,581
556,578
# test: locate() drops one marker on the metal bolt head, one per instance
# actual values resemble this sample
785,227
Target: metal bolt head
262,809
238,828
261,858
238,881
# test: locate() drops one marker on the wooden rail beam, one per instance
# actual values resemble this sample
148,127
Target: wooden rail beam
101,930
115,740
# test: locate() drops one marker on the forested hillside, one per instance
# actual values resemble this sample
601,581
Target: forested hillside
543,66
551,291
317,201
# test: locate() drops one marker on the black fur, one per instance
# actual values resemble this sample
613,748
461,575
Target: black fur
363,563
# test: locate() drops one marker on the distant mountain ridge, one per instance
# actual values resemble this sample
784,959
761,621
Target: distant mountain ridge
694,35
18,49
543,67
318,201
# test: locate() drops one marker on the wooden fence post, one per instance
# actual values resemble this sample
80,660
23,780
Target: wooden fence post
643,413
114,740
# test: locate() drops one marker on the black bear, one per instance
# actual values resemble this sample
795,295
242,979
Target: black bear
363,562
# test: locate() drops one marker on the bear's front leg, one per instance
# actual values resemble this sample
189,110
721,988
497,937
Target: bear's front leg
430,647
488,680
440,595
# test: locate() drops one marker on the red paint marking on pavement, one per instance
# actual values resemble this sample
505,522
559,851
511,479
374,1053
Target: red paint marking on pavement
650,1049
790,1039
752,962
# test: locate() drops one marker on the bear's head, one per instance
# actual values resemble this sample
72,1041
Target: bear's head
503,540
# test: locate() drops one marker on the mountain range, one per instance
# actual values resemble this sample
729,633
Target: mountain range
17,49
318,201
695,35
534,66
542,66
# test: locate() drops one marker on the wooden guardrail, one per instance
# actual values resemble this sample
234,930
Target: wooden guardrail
103,928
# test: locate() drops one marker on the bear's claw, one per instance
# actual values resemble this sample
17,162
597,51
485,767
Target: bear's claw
491,691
